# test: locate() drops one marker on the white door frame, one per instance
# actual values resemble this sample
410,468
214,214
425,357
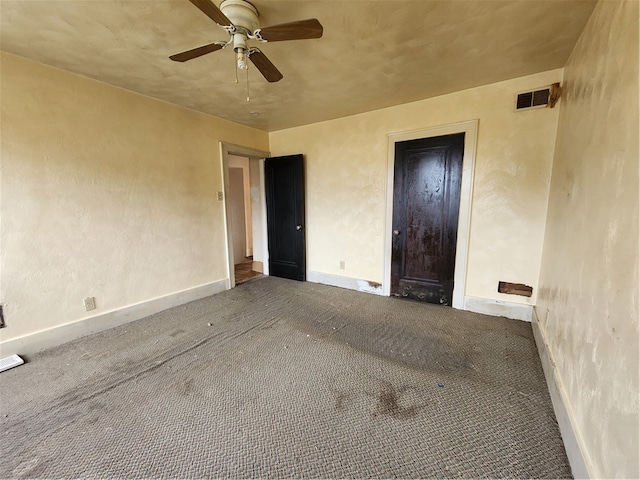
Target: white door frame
227,149
470,129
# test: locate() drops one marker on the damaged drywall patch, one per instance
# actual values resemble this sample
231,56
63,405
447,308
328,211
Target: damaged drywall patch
369,287
515,288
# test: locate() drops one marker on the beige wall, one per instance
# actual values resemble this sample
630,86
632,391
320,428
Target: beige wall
346,174
588,302
105,193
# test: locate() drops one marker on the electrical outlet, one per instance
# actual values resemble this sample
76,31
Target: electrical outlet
220,196
341,264
89,303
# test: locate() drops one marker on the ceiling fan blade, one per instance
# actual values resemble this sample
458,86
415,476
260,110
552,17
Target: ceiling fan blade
267,69
300,30
213,12
196,52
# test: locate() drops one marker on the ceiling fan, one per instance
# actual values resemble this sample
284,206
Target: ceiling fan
239,19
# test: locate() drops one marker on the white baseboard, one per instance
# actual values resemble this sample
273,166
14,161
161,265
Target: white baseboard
344,282
498,308
51,337
257,267
573,444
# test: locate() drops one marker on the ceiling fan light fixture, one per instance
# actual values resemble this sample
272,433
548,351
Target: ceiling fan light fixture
240,47
241,59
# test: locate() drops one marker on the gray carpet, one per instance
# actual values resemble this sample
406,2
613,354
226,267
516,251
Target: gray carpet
290,380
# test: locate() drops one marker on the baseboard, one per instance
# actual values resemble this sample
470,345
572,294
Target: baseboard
498,308
344,282
257,267
573,444
51,337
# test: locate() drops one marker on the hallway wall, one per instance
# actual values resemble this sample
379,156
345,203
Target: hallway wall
236,200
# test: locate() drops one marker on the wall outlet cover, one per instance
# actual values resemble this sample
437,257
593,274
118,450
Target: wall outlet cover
90,303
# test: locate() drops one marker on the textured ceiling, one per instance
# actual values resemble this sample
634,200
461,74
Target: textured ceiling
373,53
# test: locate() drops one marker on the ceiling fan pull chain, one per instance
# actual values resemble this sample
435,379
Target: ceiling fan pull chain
248,99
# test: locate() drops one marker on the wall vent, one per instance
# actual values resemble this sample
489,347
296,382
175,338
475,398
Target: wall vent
533,99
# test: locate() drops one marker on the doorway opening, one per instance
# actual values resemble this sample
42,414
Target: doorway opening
469,129
239,198
245,211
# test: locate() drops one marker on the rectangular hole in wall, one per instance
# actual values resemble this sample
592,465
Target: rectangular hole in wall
515,289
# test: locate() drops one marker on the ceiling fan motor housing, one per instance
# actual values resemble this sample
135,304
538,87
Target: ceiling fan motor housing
242,14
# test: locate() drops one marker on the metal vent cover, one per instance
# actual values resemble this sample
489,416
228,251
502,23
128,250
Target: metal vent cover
533,99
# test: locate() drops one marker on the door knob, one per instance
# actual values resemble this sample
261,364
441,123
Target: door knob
396,232
298,227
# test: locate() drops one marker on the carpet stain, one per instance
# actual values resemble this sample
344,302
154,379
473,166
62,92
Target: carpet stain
389,403
340,398
399,402
340,401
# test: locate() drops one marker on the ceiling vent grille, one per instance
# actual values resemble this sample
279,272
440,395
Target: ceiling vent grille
533,99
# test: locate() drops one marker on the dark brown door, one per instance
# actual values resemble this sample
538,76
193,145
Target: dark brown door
284,185
427,178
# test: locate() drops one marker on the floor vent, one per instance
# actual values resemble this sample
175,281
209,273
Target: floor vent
533,99
10,362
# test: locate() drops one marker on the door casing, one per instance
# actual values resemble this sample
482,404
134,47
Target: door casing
470,128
